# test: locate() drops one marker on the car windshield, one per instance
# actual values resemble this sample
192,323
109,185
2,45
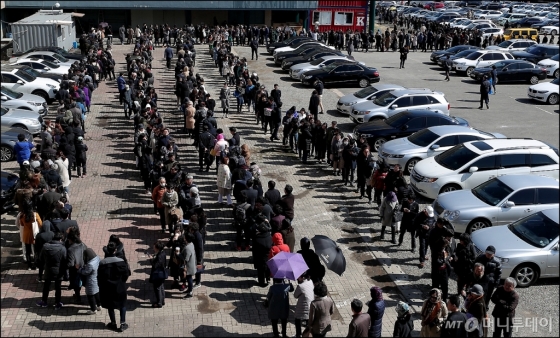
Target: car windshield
49,64
473,56
536,50
363,93
555,57
385,99
11,93
492,192
25,75
505,44
455,157
464,53
423,138
59,57
537,230
31,71
316,62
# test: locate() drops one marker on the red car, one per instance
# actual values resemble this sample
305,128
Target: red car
435,5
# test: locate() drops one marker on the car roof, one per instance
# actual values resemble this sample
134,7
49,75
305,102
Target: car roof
404,92
505,144
423,113
517,182
522,40
455,129
340,57
382,86
552,214
515,61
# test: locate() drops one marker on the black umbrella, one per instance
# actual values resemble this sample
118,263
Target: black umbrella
329,253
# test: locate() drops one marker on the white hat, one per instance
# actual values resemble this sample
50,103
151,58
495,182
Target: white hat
430,210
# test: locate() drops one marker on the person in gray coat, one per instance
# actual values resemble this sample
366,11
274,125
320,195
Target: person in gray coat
89,274
75,259
190,263
386,213
225,94
278,305
304,295
320,312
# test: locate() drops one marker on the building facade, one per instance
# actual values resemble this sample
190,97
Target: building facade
339,15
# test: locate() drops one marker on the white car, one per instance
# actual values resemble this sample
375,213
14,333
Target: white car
512,44
47,56
551,66
479,59
549,30
545,92
34,103
488,14
289,48
297,70
44,66
488,32
346,104
469,164
18,80
511,17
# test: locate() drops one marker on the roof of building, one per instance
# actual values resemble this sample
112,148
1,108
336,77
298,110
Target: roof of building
43,17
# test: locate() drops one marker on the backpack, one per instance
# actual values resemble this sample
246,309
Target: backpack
240,214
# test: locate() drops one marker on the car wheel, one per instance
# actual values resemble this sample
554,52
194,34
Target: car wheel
378,143
525,275
449,187
556,73
410,165
469,71
534,79
20,126
552,99
478,224
6,153
42,94
363,83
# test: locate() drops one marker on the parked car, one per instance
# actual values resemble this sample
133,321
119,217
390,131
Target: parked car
403,124
527,22
469,164
545,92
29,70
346,103
396,101
488,14
527,249
481,58
316,54
489,32
433,140
61,51
551,28
25,119
434,5
511,18
551,66
288,42
17,79
47,56
44,66
512,45
513,71
34,103
450,51
348,74
498,201
536,53
9,139
9,185
305,50
452,58
297,70
298,47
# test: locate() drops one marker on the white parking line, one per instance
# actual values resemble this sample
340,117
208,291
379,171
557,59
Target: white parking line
337,92
539,108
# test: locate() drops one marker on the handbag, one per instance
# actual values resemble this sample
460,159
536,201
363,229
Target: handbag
35,226
397,213
213,152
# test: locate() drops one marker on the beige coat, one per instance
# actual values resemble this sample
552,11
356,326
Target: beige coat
434,331
320,312
189,116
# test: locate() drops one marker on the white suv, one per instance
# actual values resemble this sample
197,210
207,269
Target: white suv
21,81
467,165
479,59
512,44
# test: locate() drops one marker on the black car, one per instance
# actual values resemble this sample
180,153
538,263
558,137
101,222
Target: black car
451,51
288,42
342,74
29,70
303,50
513,71
527,22
459,55
403,124
57,50
536,53
550,22
9,139
9,184
314,55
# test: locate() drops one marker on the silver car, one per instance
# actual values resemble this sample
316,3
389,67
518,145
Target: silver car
300,68
407,151
24,119
13,99
347,102
527,248
498,201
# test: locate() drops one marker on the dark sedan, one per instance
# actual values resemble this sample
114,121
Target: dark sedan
536,53
314,55
451,51
513,71
403,124
9,185
58,50
288,42
527,22
342,74
459,55
304,50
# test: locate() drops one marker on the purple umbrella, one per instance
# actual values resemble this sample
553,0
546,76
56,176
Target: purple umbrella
287,265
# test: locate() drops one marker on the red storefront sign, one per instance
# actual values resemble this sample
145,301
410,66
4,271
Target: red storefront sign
339,15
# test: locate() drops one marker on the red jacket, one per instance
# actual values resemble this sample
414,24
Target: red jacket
278,246
378,180
157,195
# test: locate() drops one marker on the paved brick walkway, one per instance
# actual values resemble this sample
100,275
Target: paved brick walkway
111,200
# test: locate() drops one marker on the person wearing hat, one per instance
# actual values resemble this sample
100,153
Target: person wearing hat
433,313
81,157
484,90
423,223
492,269
505,300
403,325
476,308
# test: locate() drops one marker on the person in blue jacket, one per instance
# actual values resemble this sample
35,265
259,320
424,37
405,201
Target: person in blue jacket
22,148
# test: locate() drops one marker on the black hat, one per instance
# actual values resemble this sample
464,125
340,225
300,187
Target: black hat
491,250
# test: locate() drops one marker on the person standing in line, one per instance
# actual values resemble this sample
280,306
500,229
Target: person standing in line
278,303
168,55
424,223
361,322
376,310
319,86
410,209
320,312
404,324
505,300
454,325
157,196
404,54
475,308
53,256
484,90
157,274
492,269
190,264
89,272
434,312
447,64
198,242
225,94
314,103
26,219
112,275
304,295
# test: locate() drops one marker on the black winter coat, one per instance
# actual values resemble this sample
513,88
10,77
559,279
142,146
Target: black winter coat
111,278
492,268
407,221
53,256
262,242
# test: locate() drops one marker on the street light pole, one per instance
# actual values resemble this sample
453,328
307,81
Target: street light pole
372,16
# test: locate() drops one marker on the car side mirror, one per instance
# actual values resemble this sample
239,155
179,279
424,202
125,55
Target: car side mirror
47,68
434,147
395,106
4,98
19,82
473,169
509,204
